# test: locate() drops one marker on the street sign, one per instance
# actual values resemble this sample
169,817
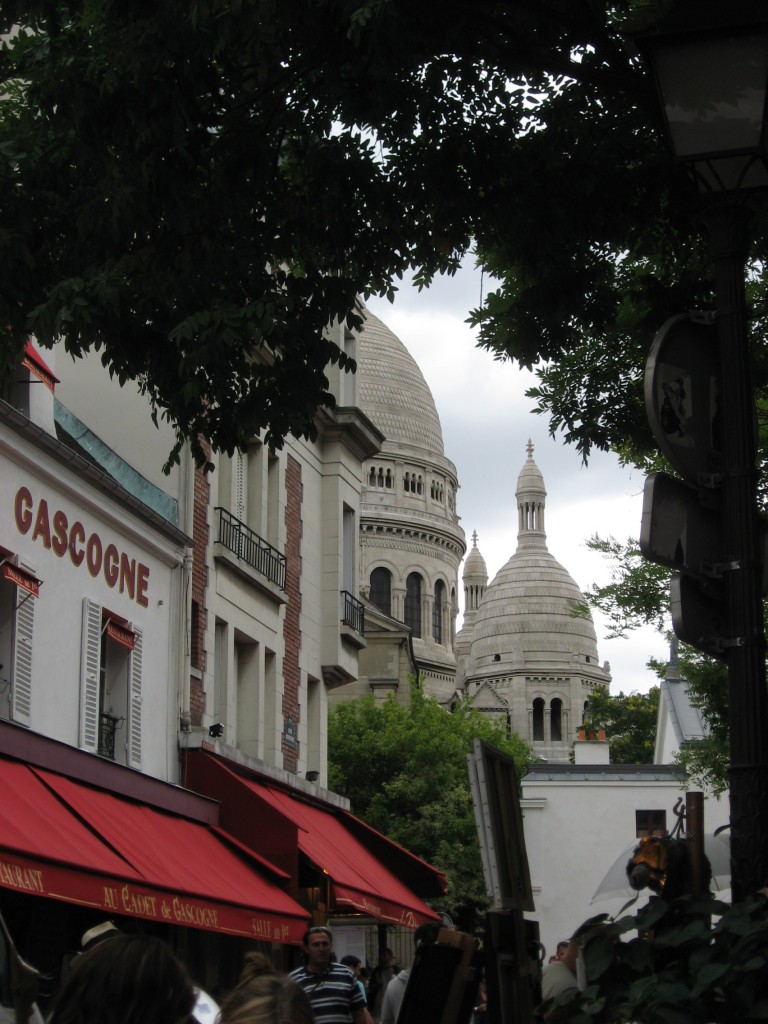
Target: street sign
676,529
682,393
699,613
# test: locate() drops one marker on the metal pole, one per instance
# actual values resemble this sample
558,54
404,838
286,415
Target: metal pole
742,569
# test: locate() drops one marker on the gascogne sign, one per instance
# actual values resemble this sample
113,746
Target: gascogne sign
52,528
136,900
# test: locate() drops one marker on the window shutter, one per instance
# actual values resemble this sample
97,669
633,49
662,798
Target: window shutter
134,701
21,694
90,667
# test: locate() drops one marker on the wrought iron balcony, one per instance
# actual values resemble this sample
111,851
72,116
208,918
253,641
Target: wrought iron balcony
352,612
243,542
108,726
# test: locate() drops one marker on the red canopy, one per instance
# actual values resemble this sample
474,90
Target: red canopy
366,871
69,841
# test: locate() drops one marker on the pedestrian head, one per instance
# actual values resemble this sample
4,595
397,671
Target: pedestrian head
354,963
264,997
130,978
318,948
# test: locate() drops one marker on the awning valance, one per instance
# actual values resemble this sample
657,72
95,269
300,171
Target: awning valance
331,839
72,842
17,574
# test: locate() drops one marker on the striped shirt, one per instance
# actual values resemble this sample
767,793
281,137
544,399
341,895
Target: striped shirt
335,996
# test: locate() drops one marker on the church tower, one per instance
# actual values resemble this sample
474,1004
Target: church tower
533,656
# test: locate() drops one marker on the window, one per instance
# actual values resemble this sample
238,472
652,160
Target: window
556,719
413,603
18,593
650,823
381,590
110,686
538,719
437,612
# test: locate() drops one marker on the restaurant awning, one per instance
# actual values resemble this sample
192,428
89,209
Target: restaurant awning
365,871
69,841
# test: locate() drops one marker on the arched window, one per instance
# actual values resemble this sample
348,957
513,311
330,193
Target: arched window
556,719
437,612
381,590
538,719
413,603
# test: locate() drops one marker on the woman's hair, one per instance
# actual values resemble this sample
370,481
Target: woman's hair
264,997
123,980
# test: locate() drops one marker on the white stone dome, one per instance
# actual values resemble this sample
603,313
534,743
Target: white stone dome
411,541
392,391
526,617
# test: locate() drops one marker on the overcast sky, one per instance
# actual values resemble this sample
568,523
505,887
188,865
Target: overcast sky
487,421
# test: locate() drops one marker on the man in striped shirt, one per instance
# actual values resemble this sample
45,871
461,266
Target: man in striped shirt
331,987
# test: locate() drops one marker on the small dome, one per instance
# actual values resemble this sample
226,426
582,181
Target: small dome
474,565
391,389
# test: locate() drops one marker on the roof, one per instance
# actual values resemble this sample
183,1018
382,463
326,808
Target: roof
601,773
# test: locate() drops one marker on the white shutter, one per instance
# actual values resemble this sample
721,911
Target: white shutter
90,667
134,701
21,693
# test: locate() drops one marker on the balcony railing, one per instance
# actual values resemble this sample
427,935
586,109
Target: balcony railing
352,612
243,542
108,725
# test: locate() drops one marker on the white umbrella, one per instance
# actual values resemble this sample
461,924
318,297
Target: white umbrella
615,884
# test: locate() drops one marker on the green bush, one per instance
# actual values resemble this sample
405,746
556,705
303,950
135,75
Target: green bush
693,961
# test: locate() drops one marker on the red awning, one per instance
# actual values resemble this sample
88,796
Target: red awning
16,574
35,363
359,880
122,857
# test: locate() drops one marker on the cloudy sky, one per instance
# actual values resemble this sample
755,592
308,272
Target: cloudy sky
487,421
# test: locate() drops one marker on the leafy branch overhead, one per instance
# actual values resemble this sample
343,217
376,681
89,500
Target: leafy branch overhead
196,190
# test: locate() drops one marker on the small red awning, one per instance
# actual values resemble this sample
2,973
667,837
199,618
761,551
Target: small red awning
359,880
35,363
17,574
69,841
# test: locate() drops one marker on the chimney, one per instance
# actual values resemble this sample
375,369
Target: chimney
591,747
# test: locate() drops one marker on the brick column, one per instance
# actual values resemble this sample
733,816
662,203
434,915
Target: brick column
292,620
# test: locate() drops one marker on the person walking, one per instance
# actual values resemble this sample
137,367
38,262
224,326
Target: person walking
332,988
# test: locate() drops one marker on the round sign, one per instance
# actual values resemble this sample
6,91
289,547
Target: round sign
682,397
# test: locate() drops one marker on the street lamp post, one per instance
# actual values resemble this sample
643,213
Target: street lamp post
712,80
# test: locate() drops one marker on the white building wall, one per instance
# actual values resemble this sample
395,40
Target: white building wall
53,518
575,829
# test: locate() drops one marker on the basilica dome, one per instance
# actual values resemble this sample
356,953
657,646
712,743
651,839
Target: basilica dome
392,392
411,543
533,612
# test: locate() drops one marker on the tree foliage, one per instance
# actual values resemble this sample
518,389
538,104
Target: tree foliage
405,773
693,961
197,188
629,721
638,594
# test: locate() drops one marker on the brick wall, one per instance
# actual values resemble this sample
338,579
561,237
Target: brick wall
292,620
199,623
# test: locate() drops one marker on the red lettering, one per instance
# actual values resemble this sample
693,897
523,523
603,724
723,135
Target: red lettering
111,558
76,535
93,554
59,533
23,510
142,585
54,531
127,575
42,526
